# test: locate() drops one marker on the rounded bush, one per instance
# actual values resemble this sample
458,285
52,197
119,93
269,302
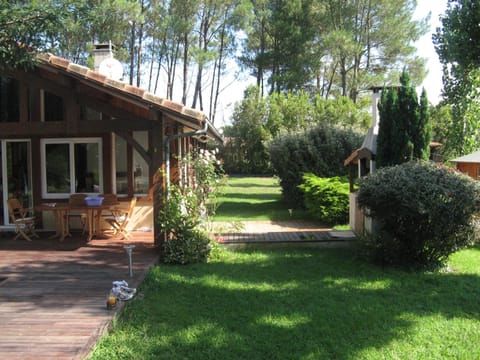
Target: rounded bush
423,213
326,199
187,247
319,150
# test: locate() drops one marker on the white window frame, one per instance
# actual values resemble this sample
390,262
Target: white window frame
71,142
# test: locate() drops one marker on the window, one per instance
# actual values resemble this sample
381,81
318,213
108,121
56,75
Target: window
52,107
138,170
121,171
70,166
140,166
9,100
87,113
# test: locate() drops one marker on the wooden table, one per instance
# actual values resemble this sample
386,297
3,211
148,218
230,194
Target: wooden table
61,211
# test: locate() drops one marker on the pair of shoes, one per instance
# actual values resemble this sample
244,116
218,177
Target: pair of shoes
121,290
124,296
128,290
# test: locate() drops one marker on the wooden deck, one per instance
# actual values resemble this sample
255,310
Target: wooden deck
53,295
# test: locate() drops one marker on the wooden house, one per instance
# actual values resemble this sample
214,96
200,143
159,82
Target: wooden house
469,164
65,128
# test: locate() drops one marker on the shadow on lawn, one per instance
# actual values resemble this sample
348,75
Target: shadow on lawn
286,304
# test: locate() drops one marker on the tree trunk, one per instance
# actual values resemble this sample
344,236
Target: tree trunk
185,68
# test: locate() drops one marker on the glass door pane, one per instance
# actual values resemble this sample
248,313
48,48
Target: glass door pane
18,171
3,210
57,158
87,167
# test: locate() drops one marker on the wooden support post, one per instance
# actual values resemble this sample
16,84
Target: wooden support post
157,171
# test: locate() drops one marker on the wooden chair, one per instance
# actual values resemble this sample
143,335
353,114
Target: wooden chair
77,200
109,200
120,218
23,220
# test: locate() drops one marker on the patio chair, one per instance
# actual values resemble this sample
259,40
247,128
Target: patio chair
120,218
77,200
109,200
23,220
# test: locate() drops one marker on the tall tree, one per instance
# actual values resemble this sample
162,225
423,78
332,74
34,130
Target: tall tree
365,40
25,28
256,43
290,58
457,43
279,43
404,131
333,47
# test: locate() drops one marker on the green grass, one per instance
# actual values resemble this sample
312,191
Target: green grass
300,304
254,198
292,303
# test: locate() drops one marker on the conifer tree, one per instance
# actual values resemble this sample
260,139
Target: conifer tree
404,132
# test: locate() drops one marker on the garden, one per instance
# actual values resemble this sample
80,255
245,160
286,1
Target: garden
407,290
297,303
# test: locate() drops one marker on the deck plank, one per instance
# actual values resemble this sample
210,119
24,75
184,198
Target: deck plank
52,302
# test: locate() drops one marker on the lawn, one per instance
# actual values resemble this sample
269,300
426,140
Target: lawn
300,304
297,303
254,198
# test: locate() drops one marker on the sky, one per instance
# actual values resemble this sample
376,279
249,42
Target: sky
432,83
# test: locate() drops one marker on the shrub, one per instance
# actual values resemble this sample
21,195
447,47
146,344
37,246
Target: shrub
187,210
320,151
423,212
180,219
327,199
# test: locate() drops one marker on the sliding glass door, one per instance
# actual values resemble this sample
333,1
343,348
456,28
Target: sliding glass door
16,179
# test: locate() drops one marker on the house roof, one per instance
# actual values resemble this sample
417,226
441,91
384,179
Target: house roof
191,118
470,158
370,141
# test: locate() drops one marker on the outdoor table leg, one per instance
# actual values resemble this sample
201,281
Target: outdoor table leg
91,225
97,222
64,224
61,230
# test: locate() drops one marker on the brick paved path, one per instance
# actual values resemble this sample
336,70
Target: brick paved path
252,232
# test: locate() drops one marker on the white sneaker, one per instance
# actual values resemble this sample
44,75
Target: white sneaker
125,296
128,290
120,283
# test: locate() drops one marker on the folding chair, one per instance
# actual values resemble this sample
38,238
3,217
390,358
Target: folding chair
108,200
19,216
120,218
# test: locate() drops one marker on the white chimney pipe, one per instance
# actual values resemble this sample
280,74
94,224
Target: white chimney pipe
102,52
375,100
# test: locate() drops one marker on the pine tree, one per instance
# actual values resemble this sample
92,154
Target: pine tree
385,132
404,131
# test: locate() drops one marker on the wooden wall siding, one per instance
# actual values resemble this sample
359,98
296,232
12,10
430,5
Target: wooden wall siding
471,169
126,109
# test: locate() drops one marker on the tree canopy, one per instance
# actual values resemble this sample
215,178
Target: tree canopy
457,43
332,47
24,27
183,49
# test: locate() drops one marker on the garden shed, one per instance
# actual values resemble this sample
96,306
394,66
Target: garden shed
469,164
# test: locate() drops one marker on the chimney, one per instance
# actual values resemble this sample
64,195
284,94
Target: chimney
375,100
102,52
